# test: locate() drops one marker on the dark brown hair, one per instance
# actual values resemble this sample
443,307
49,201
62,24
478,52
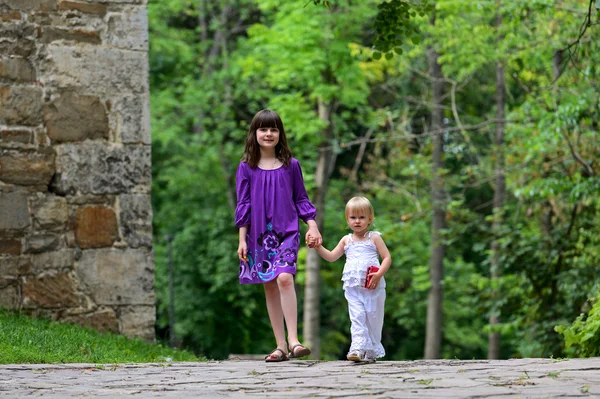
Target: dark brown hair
266,118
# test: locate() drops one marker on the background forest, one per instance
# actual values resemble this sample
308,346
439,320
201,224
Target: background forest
477,142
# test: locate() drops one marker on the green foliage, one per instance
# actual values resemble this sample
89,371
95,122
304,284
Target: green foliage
550,200
582,338
395,25
326,3
26,340
320,67
293,58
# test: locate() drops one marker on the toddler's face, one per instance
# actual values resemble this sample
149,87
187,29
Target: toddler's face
358,221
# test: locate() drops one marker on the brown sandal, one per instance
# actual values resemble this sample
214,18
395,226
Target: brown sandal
300,352
275,357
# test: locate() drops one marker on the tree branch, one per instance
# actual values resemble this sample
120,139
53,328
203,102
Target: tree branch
431,133
578,157
587,22
360,155
460,126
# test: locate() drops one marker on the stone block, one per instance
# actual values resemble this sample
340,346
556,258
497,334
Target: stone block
50,212
14,266
10,247
106,200
89,168
102,320
17,69
21,47
137,321
87,8
118,277
20,136
18,39
136,219
31,5
131,119
27,168
50,291
61,260
74,117
14,211
128,29
20,105
42,19
98,70
15,31
50,35
10,15
95,227
41,243
9,296
69,25
144,2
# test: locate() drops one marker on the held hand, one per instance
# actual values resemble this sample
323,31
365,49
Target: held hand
313,237
375,277
311,241
243,251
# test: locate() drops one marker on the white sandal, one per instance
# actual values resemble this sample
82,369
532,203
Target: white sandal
356,356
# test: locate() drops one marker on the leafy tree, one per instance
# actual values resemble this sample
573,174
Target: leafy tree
523,23
362,126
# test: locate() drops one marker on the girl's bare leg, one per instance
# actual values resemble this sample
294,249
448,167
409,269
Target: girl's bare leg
289,306
275,313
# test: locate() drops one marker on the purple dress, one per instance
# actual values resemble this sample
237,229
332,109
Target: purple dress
270,203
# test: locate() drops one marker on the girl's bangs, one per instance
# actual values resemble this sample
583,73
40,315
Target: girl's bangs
268,119
359,210
359,206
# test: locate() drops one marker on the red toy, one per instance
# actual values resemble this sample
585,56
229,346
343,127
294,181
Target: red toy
370,269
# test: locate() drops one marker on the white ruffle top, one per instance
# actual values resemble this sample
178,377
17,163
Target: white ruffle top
359,256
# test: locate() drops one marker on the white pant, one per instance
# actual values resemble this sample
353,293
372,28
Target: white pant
366,309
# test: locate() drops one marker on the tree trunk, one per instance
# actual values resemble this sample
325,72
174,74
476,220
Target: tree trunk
210,56
557,59
547,211
226,115
325,166
498,210
433,337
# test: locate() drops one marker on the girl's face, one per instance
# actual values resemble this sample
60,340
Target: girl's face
358,222
267,137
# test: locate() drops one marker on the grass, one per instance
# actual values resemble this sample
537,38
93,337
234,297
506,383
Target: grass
27,340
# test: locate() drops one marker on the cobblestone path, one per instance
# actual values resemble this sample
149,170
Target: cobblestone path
518,378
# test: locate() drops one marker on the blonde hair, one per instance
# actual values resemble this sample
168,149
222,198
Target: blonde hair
360,205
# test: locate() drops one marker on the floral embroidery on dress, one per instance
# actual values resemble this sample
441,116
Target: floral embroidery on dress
287,257
270,239
266,275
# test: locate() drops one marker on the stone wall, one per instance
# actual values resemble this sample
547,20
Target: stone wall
75,213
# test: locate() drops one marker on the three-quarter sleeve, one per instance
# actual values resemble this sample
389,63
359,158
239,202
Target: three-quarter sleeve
242,187
306,210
